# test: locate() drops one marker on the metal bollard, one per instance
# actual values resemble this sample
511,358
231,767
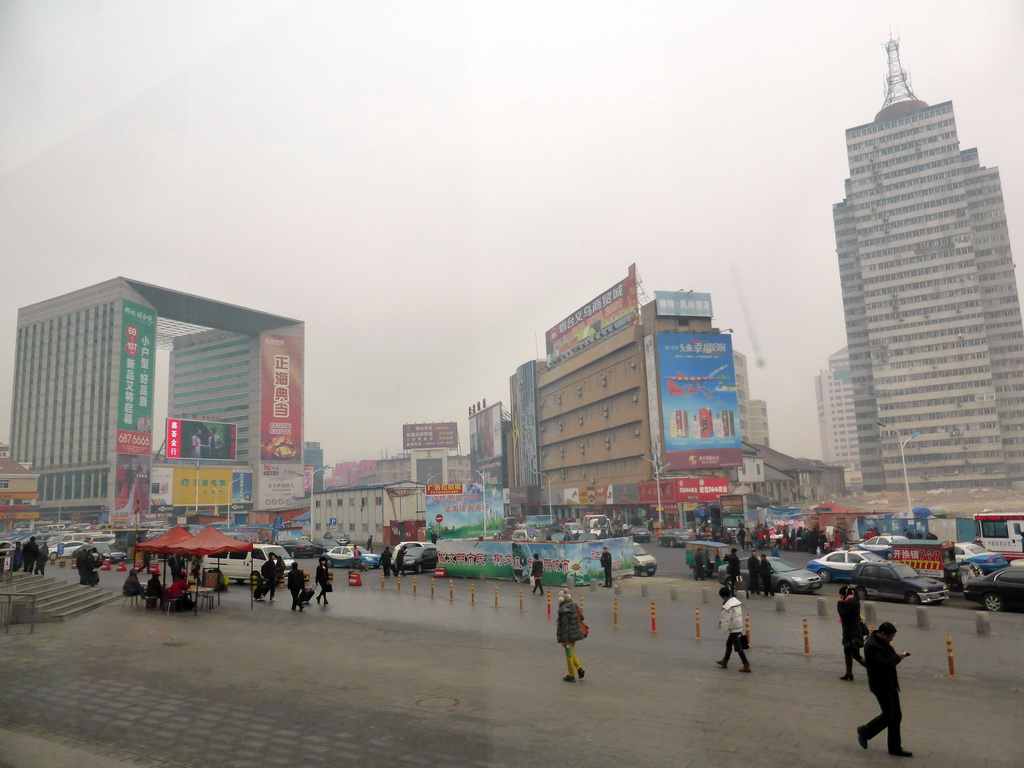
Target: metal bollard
654,619
496,594
807,640
982,623
705,595
549,604
645,591
822,606
923,621
451,591
673,593
520,598
615,614
696,612
868,609
780,603
399,589
472,594
949,655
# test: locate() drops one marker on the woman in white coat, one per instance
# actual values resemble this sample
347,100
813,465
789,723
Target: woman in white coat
731,623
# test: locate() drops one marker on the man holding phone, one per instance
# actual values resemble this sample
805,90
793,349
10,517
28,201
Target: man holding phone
880,659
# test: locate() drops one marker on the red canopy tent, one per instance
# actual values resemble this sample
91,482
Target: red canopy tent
163,543
209,541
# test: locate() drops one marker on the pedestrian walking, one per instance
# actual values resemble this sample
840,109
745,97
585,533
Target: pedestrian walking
369,544
18,557
296,583
269,573
741,537
385,562
606,563
732,568
322,580
848,608
537,572
731,624
881,659
29,553
766,577
569,631
754,573
699,565
84,564
399,559
42,559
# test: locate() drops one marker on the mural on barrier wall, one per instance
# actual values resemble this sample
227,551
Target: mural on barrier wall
465,558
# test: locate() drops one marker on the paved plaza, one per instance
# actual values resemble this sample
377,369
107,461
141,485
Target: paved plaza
383,678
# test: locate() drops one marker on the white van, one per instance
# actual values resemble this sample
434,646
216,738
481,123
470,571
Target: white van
240,565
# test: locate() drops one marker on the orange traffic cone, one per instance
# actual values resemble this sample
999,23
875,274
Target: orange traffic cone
354,579
105,566
121,567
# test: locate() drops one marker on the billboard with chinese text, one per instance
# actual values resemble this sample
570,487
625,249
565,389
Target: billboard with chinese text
443,434
700,418
601,317
682,304
281,398
465,509
473,559
196,439
135,380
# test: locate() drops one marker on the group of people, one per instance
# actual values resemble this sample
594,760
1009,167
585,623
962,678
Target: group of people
759,574
32,557
153,592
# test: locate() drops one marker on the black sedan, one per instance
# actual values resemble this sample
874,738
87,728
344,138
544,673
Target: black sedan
419,559
301,548
997,591
640,533
675,537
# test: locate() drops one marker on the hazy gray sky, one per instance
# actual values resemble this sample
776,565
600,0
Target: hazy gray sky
430,186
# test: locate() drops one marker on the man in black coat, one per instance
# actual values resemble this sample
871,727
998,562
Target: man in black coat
732,567
766,577
399,559
296,583
881,659
754,572
606,563
269,572
30,553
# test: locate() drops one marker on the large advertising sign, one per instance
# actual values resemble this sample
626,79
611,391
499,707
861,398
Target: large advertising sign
135,382
182,489
682,304
699,410
601,317
464,510
438,435
525,468
193,439
485,447
281,398
511,559
131,488
280,485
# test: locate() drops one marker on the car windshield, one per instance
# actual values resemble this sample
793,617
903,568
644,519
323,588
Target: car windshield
638,550
905,571
279,551
974,549
781,566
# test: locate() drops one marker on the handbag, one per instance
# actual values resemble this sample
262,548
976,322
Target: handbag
328,587
864,632
744,642
583,624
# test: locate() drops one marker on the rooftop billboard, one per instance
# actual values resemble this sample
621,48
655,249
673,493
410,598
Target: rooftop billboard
601,317
443,434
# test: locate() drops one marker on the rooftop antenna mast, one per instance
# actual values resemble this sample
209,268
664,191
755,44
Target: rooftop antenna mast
897,81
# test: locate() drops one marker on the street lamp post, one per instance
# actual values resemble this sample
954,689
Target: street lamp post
546,477
656,463
903,461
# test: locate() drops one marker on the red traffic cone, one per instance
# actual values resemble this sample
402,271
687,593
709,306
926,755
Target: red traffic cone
105,566
354,579
121,567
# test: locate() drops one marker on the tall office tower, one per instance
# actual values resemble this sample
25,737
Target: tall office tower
742,392
837,424
757,424
932,317
84,394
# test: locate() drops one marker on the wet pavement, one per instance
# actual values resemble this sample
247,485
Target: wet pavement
385,678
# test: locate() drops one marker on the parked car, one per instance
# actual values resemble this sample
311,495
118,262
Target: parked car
301,547
643,563
997,591
110,554
839,565
420,559
574,528
675,537
896,581
241,565
640,533
345,557
977,559
786,578
406,545
881,545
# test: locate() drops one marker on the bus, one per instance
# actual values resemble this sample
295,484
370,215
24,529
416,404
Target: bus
1002,533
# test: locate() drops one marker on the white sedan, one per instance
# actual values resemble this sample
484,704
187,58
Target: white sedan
882,545
837,566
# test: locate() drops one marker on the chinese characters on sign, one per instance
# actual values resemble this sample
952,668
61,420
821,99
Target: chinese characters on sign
135,412
435,435
603,316
281,397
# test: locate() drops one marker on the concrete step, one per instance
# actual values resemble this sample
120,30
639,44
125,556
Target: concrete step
58,600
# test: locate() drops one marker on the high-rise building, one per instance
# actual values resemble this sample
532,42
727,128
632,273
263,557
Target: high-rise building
84,392
930,299
837,423
757,423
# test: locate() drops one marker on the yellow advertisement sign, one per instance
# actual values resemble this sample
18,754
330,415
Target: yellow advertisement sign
207,487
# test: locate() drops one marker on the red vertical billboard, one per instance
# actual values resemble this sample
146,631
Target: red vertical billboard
281,397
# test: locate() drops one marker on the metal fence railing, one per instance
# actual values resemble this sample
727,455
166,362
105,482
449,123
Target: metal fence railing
17,613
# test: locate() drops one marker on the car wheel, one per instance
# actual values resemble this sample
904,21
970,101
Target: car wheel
862,594
992,602
825,574
418,568
636,571
784,587
913,598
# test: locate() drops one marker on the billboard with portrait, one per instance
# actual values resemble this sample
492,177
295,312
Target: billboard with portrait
281,398
605,315
485,444
443,434
700,418
198,439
